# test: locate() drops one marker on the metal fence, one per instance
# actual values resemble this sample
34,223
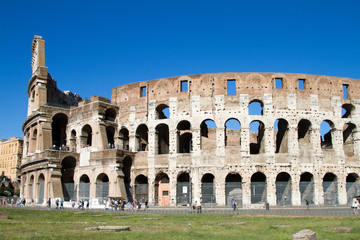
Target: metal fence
233,191
258,192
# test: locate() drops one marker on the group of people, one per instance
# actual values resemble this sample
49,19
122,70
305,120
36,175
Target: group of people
116,204
5,202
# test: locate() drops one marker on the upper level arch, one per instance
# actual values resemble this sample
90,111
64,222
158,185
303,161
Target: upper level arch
256,107
110,114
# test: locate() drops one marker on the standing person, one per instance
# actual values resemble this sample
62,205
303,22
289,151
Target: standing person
62,204
307,204
146,203
73,205
57,203
234,204
87,204
356,207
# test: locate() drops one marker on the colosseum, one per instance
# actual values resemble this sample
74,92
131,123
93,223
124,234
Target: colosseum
276,138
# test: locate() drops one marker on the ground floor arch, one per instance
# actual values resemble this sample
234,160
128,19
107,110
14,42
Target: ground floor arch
352,187
162,190
102,187
283,189
306,187
183,189
258,188
41,188
233,189
84,187
330,189
141,187
207,188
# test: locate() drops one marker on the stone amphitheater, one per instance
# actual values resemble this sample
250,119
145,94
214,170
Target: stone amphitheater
276,138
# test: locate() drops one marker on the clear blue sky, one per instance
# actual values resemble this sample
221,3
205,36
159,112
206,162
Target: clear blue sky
94,46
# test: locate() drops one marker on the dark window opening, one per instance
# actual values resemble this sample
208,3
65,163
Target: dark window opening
110,115
124,139
162,131
348,139
142,137
58,126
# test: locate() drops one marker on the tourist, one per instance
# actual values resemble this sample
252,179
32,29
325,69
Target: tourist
307,204
62,204
234,204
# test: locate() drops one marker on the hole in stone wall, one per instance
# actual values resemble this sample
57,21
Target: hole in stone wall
142,137
281,136
326,135
232,133
208,134
162,112
348,139
257,130
346,110
162,131
256,107
184,137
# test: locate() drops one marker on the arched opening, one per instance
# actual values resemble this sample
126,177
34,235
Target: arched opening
141,187
304,130
31,189
102,187
258,188
281,127
233,189
347,110
127,163
207,188
307,187
232,133
162,190
283,189
73,140
162,134
84,187
348,139
256,107
68,165
330,189
326,127
208,134
110,132
110,114
162,112
124,139
183,193
352,187
257,131
142,137
58,129
86,136
34,141
41,187
184,137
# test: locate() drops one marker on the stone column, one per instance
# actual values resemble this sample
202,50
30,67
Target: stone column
246,190
295,190
196,141
271,189
220,189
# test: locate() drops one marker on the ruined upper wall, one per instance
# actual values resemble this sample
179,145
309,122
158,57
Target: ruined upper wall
256,84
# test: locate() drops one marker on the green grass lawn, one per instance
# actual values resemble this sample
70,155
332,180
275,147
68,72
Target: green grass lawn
44,224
